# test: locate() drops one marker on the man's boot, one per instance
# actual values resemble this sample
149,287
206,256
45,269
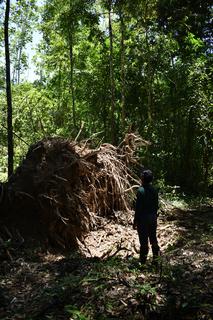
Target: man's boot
143,254
156,254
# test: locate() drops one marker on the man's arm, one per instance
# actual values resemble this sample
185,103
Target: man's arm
157,200
137,208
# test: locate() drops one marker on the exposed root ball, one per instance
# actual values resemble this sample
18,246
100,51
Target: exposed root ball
61,185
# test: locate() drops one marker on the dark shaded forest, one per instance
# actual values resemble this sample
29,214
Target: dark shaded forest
91,93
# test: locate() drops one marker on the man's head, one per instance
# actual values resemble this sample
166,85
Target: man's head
146,176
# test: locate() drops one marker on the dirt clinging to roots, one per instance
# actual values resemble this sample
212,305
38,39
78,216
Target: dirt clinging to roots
62,187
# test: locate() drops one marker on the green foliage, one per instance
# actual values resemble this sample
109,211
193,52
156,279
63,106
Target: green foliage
23,17
162,80
75,313
146,289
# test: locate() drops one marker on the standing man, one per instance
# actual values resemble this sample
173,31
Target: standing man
145,220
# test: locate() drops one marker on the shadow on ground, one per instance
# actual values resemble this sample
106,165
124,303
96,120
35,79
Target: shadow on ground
37,285
187,267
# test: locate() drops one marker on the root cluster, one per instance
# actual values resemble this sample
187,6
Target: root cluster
62,187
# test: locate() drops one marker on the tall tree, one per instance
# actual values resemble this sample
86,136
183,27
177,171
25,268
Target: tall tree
23,16
131,65
63,25
112,81
120,5
8,89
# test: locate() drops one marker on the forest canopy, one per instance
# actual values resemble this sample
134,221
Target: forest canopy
91,93
111,67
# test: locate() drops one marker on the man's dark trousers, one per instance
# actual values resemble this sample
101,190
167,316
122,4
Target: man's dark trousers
147,232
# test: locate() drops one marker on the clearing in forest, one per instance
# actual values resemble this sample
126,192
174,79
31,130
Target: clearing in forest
74,203
98,283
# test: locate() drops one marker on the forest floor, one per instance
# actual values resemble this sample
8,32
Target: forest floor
105,280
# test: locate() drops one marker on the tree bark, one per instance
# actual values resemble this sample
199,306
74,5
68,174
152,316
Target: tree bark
8,90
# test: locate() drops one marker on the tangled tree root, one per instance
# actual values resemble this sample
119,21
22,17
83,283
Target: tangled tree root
62,186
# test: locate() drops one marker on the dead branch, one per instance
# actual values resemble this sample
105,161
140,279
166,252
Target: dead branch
82,126
108,254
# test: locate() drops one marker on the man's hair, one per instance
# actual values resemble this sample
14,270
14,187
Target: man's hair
147,176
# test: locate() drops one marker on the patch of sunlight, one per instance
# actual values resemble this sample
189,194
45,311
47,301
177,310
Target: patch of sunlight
180,204
3,176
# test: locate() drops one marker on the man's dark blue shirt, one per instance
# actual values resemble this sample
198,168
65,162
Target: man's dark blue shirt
146,203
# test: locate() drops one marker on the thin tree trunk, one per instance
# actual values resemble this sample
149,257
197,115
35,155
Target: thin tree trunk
59,86
8,90
149,69
188,154
19,64
71,80
206,163
112,82
123,113
13,74
72,70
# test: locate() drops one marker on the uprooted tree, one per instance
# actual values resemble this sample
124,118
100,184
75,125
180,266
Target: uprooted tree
62,186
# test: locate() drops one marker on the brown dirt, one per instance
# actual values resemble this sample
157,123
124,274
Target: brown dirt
45,285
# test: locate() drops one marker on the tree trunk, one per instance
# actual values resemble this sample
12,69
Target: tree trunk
188,154
123,113
206,157
19,64
150,72
112,82
70,36
71,79
59,87
8,91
